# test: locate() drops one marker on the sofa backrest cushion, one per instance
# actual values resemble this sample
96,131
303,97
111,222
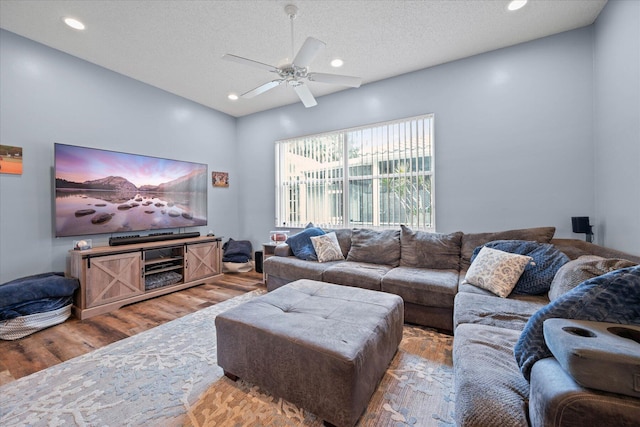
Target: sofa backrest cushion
612,297
375,246
344,239
584,268
575,248
538,275
473,240
421,249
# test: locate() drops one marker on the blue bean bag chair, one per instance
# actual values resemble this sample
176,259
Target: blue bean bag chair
32,303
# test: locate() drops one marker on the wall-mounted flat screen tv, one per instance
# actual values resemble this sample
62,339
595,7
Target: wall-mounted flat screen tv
99,192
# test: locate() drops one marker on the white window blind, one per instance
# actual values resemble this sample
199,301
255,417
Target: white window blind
377,176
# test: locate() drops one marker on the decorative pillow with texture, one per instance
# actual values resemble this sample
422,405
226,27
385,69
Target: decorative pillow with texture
584,268
327,247
470,241
538,275
613,297
496,271
301,245
375,247
421,249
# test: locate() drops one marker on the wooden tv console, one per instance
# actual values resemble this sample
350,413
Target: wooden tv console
113,276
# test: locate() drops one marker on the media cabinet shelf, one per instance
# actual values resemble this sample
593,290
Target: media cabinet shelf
113,276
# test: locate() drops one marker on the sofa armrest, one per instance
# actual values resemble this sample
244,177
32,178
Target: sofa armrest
556,400
283,250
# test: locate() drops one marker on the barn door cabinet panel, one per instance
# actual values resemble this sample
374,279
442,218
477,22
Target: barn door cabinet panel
202,260
111,277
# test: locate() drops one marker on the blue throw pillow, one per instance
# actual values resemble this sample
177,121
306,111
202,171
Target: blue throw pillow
613,297
537,276
301,245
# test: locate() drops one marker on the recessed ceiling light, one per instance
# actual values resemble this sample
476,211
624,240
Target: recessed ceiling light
232,96
337,63
516,4
74,23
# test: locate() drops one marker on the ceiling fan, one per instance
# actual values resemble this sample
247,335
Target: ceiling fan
296,74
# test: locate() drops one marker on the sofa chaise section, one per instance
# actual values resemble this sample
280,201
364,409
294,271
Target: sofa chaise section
428,294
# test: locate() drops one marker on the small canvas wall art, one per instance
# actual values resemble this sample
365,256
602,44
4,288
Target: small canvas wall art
220,179
10,159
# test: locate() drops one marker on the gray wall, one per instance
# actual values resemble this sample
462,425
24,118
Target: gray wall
525,136
47,97
617,125
513,136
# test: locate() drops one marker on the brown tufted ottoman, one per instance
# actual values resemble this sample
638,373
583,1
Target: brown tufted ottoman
323,347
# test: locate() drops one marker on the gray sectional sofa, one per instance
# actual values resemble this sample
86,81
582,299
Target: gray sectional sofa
428,271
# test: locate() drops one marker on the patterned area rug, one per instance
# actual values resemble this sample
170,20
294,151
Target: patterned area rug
168,376
416,390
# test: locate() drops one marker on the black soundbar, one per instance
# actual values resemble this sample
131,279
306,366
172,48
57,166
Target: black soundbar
125,240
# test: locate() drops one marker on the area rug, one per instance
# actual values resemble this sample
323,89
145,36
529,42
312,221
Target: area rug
168,376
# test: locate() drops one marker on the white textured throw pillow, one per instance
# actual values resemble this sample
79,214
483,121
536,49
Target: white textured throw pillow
327,247
496,271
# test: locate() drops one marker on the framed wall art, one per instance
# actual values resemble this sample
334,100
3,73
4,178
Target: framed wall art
220,179
10,159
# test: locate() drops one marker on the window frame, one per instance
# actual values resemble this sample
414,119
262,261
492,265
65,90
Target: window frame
375,178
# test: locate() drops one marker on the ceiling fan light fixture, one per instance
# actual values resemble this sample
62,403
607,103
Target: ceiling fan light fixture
296,73
337,63
516,5
74,23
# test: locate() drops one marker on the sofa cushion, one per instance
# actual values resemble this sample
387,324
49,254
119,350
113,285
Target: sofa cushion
327,247
489,389
358,274
375,247
537,276
301,245
429,287
291,268
575,248
344,239
584,268
496,271
472,240
506,313
429,250
613,297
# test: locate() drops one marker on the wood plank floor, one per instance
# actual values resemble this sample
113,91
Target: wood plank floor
75,337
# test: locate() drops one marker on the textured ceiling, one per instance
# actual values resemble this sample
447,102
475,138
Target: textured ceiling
177,45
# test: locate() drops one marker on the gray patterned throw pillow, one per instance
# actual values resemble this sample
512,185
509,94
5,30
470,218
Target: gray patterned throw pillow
327,247
496,271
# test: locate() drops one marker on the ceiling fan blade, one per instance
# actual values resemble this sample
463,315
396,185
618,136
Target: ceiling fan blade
250,62
305,95
335,79
261,89
308,51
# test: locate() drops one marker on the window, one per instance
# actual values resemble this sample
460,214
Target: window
377,176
